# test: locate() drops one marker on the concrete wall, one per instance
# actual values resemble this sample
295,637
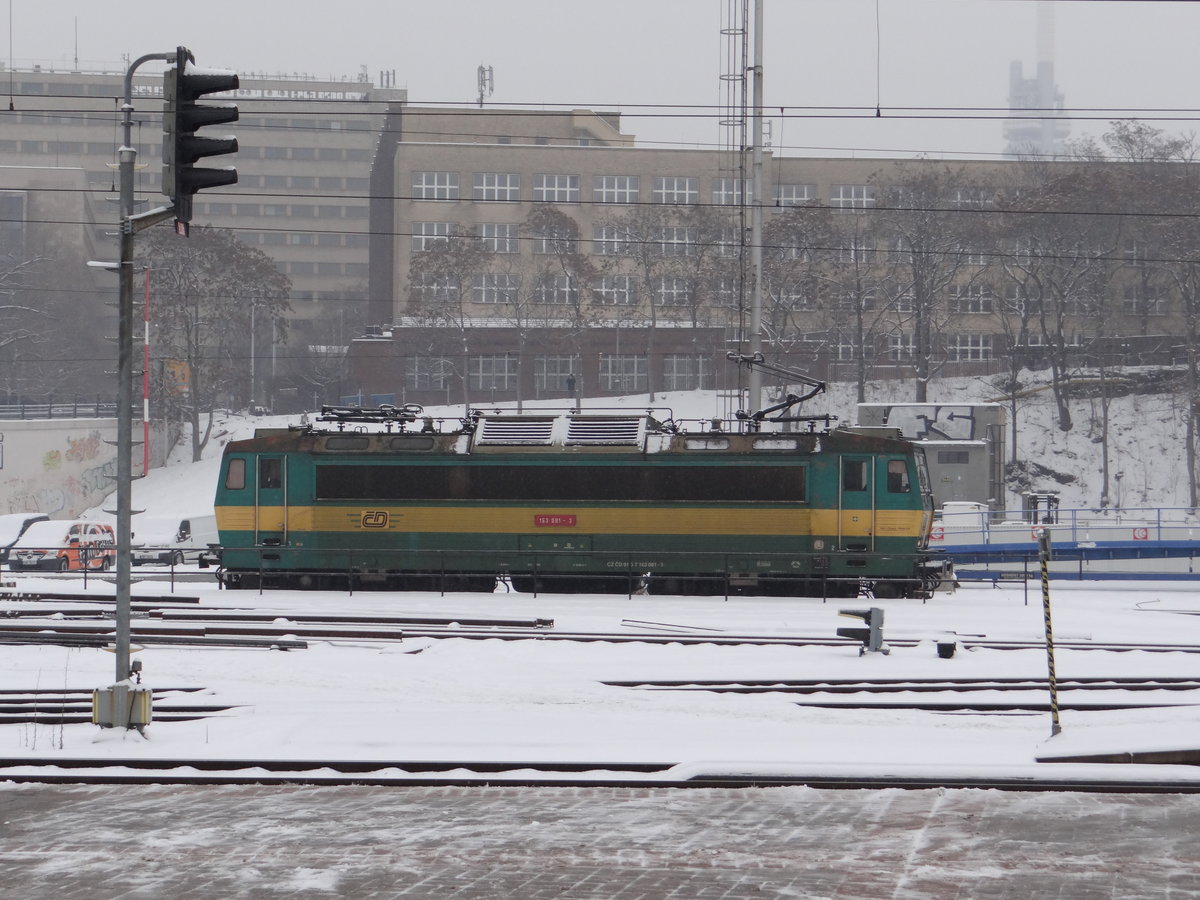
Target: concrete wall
61,467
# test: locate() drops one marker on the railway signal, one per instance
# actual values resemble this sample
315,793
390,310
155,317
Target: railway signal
183,84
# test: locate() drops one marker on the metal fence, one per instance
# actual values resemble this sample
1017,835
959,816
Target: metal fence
76,408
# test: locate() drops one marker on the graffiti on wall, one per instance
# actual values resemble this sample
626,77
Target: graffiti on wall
55,471
83,449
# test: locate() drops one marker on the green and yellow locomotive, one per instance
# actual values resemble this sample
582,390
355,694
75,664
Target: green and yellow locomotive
573,501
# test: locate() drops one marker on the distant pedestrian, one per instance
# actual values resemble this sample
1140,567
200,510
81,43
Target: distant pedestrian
571,385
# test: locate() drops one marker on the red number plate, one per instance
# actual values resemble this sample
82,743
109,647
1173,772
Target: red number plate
556,520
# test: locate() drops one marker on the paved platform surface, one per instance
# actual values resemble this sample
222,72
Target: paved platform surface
95,843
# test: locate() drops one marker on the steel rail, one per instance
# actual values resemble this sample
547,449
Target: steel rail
542,773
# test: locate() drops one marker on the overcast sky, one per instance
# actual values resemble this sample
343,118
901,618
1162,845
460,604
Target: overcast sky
667,56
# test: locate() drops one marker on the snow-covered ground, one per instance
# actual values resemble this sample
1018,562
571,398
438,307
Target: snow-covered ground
532,700
454,698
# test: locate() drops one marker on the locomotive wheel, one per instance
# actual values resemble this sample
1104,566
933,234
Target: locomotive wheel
886,590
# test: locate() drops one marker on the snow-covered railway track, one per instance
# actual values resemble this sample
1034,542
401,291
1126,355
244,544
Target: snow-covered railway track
958,695
213,626
74,706
58,769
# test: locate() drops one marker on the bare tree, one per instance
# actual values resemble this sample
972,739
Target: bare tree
1061,241
672,252
206,288
560,297
926,236
440,291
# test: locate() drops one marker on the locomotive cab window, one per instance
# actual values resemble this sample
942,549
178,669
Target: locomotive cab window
235,475
269,472
854,474
897,477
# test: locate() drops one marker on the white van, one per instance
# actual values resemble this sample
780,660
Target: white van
65,546
12,526
171,540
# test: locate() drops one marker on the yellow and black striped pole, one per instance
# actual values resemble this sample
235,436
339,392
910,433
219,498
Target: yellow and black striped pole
1044,554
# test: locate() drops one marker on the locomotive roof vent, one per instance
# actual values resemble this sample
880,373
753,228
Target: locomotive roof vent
523,431
560,431
624,431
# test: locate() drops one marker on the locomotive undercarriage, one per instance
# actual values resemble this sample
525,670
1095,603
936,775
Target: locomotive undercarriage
698,585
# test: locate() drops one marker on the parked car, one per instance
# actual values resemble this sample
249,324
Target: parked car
171,540
12,526
65,546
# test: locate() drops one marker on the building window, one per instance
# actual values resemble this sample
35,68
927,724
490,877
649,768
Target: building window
430,288
615,188
970,298
795,194
687,372
676,189
496,186
791,247
729,242
494,287
427,373
553,241
1139,302
616,290
900,347
969,347
625,374
435,186
729,191
791,294
845,350
1135,254
556,290
851,196
556,188
727,291
12,223
856,251
673,290
954,457
551,373
611,240
498,237
426,234
852,299
677,240
971,256
497,372
969,198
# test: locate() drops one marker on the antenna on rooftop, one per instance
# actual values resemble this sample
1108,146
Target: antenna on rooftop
485,83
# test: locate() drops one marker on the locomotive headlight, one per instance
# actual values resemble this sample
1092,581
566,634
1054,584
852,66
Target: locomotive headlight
818,544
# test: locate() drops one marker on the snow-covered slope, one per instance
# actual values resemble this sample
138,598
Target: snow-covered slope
1146,443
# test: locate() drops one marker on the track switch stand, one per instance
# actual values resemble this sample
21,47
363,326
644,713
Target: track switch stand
871,636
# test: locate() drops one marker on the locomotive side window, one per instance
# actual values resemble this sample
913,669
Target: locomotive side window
897,477
854,474
269,472
235,475
659,484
